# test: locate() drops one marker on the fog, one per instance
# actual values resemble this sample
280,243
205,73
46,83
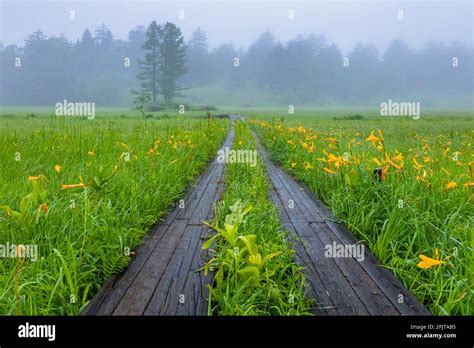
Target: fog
345,23
311,38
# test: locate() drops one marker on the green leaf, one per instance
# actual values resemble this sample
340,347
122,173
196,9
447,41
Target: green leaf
209,242
270,256
250,242
229,233
249,272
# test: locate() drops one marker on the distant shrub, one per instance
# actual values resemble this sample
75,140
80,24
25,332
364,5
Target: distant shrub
208,107
155,107
350,117
160,106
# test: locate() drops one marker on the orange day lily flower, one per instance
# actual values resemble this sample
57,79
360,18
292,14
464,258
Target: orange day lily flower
451,185
43,207
372,138
329,171
65,187
399,157
36,178
427,262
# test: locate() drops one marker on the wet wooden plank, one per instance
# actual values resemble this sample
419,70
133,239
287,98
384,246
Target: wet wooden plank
385,280
316,289
167,293
369,293
138,295
115,294
195,288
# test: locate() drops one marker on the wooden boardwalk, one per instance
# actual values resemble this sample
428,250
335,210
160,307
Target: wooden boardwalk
340,285
165,278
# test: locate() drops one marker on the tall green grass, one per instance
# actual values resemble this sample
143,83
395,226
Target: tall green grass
412,212
132,169
278,286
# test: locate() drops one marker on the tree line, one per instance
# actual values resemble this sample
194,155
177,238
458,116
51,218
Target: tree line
157,61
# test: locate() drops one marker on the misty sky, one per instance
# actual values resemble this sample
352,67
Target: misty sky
343,22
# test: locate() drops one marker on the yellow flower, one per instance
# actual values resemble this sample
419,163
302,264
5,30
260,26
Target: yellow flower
376,160
380,146
380,134
90,153
451,185
427,262
331,158
308,166
416,164
399,157
329,171
240,142
19,250
421,177
389,161
293,165
36,178
331,140
291,142
43,207
57,168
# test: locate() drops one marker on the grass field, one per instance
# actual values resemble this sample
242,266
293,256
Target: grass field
403,186
85,192
254,271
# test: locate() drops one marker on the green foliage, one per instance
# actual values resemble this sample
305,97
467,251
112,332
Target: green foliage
149,68
132,170
412,211
164,64
140,101
252,259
